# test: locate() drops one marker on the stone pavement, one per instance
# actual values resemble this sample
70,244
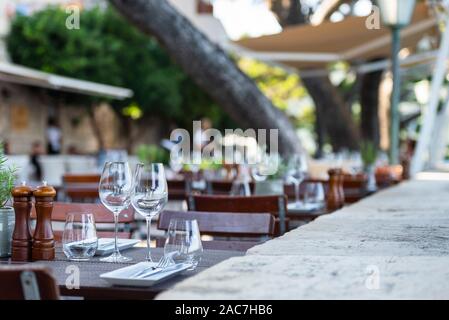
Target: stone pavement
393,245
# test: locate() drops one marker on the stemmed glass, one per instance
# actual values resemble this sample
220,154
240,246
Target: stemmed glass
296,172
149,194
115,193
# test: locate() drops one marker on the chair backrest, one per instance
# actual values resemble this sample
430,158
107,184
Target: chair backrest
223,187
252,204
224,223
276,205
81,187
27,283
81,178
101,214
177,189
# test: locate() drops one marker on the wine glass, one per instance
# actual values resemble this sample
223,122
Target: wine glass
296,172
149,194
183,243
115,195
79,239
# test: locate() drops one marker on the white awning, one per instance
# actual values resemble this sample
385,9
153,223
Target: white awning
315,46
22,75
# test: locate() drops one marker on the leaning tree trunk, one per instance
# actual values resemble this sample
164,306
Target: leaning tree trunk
333,113
210,67
369,100
334,119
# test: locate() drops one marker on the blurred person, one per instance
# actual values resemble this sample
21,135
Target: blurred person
36,150
54,137
6,150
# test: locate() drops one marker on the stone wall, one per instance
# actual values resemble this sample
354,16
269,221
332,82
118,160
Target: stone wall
24,113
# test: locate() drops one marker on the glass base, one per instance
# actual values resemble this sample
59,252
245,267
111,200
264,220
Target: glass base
116,258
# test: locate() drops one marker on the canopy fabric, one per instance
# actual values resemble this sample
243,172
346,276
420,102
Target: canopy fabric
308,46
22,75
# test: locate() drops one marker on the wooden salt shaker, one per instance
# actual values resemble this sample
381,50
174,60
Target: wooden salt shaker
21,238
333,200
43,242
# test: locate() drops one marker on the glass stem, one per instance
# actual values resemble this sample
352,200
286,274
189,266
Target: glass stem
116,215
297,183
149,238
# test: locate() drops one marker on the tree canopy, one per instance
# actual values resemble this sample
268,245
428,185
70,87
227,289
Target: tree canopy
108,49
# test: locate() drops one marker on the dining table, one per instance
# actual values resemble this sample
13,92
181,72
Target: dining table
92,287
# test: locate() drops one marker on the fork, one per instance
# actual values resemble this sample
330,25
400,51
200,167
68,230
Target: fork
165,262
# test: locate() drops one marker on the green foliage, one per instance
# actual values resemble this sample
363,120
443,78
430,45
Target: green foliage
107,49
368,151
7,178
150,153
281,87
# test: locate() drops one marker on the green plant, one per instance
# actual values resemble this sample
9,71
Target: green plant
150,153
368,152
7,178
108,49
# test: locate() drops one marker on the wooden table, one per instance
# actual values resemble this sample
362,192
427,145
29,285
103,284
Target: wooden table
92,287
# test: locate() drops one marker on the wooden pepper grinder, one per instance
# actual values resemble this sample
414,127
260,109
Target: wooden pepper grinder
21,238
43,242
333,200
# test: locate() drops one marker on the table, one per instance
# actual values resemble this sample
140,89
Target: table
92,287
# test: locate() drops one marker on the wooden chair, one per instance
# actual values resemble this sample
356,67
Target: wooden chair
276,205
223,187
27,282
254,227
81,187
178,189
101,214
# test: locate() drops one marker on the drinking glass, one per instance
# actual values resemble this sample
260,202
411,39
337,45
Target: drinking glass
314,197
79,239
176,162
149,194
115,194
296,172
183,243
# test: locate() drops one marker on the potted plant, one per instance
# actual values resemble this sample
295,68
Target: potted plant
7,178
368,152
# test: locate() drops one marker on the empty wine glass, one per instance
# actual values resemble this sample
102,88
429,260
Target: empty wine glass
115,193
79,239
296,172
149,194
314,197
176,162
183,243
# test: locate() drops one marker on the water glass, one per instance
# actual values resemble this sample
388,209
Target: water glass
314,196
79,238
183,243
